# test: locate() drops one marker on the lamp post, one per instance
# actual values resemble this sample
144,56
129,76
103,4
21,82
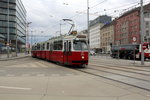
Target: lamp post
27,36
8,51
60,28
88,33
142,33
16,44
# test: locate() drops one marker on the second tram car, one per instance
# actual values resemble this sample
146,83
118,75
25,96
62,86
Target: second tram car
67,50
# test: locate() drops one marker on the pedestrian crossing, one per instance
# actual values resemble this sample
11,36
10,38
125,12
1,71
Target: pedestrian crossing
38,75
32,65
35,69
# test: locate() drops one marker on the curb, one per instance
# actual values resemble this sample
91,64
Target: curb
6,59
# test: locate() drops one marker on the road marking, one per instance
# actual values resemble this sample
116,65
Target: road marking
55,75
41,75
17,88
25,75
2,70
10,75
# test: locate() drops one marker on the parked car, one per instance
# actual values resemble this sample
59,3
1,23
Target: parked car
92,53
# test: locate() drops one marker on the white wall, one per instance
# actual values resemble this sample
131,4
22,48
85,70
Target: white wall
95,36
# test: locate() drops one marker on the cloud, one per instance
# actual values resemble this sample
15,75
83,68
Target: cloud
45,15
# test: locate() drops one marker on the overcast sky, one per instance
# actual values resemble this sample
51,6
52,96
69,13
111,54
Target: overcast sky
46,15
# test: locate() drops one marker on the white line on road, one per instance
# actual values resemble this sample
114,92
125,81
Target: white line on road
2,70
17,88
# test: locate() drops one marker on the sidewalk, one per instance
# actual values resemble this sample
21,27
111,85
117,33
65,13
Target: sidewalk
13,56
124,62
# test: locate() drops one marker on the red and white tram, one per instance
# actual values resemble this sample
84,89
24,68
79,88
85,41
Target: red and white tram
67,50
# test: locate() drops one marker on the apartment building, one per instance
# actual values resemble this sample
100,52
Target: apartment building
127,26
147,26
94,32
95,36
107,37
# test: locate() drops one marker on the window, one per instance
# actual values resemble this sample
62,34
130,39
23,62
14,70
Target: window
147,24
47,46
43,46
79,45
51,47
147,33
3,30
58,45
65,46
3,17
38,46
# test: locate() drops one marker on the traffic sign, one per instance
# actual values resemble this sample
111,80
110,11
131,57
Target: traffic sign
134,39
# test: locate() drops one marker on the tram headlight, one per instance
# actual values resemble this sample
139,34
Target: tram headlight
82,57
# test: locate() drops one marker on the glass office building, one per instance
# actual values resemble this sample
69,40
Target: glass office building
12,21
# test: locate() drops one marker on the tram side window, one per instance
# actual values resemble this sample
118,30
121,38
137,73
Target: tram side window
47,46
58,45
65,46
32,47
43,46
51,47
38,47
35,48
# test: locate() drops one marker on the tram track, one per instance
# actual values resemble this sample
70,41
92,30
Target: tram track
122,69
135,82
123,66
122,73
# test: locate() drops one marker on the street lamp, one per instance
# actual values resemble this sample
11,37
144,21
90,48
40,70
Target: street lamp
88,28
8,51
142,32
27,35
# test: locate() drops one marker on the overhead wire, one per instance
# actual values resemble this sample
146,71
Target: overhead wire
98,4
126,5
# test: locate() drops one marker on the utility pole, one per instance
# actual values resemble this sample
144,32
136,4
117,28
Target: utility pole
88,33
8,42
27,36
60,28
31,39
16,44
142,33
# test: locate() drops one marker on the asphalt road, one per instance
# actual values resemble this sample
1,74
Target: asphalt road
35,79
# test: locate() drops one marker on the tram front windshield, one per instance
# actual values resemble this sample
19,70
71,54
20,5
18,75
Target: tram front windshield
80,45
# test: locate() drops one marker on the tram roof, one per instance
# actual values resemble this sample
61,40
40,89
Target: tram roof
62,37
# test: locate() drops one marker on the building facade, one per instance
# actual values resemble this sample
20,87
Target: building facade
12,21
95,36
127,27
147,26
83,32
107,37
94,32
